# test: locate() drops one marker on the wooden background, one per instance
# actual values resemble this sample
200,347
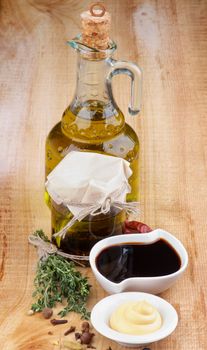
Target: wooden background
167,38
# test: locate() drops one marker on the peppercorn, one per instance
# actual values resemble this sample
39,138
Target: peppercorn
86,337
47,312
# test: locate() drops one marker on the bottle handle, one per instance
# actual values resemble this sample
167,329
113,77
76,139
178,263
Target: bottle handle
135,73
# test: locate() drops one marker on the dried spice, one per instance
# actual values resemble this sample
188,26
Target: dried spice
58,279
56,322
77,335
86,337
70,330
136,226
85,326
47,312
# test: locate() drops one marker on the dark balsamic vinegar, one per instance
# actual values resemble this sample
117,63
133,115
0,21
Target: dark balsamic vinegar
118,262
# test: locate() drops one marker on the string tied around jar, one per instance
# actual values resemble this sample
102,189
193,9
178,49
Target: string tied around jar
46,248
86,209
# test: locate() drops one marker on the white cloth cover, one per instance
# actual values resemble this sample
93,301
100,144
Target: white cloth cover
85,182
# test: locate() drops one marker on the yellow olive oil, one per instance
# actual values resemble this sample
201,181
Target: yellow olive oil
93,126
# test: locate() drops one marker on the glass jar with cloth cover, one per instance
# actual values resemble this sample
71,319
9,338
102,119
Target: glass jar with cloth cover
88,189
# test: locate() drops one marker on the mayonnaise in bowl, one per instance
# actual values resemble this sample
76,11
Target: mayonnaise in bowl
141,318
136,318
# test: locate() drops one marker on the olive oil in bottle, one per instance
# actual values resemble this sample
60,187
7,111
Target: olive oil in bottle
94,123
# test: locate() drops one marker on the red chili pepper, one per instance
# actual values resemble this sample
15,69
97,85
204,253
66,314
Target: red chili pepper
136,227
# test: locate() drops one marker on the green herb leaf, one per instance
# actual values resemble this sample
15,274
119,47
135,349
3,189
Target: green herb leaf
41,234
58,279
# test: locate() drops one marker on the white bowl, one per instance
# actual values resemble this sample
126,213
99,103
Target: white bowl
102,311
154,285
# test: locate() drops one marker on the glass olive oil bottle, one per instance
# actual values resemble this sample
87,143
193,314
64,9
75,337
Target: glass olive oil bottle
94,123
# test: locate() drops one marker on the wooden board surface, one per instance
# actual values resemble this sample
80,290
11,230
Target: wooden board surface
168,39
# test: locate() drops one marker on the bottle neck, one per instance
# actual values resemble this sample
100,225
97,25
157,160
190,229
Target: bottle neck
91,84
92,115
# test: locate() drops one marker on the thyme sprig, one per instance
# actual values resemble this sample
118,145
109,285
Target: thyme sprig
57,280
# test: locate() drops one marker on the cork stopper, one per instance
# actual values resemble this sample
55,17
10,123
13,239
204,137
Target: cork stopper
96,26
